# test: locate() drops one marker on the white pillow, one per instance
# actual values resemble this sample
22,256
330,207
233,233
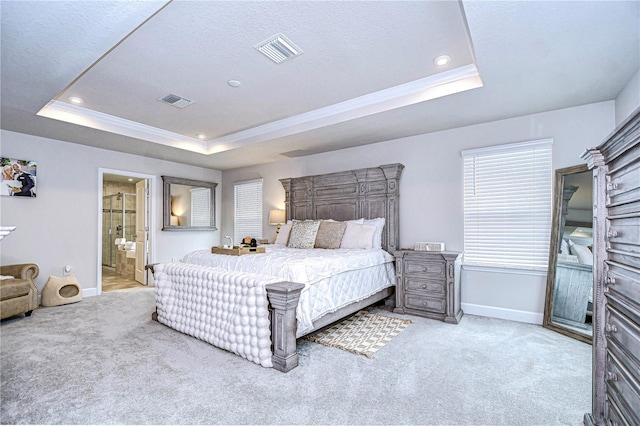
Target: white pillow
360,221
584,254
377,236
283,235
358,236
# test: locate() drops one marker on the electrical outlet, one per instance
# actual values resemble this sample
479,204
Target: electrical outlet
66,270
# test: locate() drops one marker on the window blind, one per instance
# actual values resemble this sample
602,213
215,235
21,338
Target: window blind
507,205
247,210
201,207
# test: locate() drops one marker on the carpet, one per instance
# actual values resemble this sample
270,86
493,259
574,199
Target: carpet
103,361
363,333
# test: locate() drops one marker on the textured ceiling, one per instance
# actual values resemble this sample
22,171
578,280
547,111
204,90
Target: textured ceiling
366,74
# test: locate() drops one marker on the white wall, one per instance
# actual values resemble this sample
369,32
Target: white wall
629,98
431,204
60,225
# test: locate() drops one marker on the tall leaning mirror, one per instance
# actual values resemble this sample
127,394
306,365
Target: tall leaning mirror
569,297
188,205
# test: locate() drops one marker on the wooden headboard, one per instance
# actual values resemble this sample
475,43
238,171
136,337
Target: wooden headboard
353,194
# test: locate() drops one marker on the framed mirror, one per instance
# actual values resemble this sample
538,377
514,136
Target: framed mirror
188,205
569,297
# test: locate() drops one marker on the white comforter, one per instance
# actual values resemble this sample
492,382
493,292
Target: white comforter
332,278
305,266
221,299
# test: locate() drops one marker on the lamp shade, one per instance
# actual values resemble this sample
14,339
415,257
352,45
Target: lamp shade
277,217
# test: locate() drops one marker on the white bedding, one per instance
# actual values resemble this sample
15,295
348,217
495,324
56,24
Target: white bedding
222,300
332,278
305,266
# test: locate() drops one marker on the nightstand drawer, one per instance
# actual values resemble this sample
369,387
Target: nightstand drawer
413,301
422,286
426,269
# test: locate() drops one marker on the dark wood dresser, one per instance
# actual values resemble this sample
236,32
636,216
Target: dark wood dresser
428,284
616,338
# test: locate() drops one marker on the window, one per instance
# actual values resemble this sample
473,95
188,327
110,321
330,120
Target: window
200,207
247,210
507,205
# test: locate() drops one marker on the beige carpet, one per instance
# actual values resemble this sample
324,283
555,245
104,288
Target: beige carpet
363,333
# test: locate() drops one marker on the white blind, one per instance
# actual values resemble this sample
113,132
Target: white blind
201,207
507,205
247,210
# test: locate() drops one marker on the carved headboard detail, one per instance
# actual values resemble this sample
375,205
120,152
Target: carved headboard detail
368,193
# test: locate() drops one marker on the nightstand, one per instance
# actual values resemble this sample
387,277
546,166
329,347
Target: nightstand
428,284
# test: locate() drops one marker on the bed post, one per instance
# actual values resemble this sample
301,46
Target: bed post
283,298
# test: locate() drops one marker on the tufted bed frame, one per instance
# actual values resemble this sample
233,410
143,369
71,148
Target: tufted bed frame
362,193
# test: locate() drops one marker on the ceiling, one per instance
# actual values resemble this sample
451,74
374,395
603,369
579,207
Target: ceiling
366,73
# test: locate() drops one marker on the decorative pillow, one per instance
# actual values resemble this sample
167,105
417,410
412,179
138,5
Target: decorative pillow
303,234
330,234
358,236
377,236
584,254
283,235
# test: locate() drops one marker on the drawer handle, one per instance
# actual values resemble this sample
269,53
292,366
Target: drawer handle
612,234
611,328
612,377
424,303
424,286
424,269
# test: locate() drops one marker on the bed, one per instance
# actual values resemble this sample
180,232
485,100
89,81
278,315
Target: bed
257,305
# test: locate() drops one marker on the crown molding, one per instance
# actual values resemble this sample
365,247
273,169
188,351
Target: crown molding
446,83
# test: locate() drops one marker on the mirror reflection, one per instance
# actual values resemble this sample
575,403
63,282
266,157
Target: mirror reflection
188,204
569,304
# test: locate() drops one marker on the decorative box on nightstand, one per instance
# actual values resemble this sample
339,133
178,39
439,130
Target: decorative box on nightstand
428,284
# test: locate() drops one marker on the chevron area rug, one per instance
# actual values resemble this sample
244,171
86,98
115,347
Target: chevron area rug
363,333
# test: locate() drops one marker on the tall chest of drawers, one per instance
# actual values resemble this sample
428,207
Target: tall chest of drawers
428,284
616,339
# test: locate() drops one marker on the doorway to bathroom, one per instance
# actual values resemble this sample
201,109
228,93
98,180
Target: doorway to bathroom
124,229
118,222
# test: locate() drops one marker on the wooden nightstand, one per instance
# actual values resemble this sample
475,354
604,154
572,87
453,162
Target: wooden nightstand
428,284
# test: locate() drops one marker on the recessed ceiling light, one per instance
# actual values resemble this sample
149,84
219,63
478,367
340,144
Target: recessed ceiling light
76,100
234,83
442,60
201,136
130,179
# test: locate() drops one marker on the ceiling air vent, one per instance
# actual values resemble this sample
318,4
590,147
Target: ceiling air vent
279,48
175,100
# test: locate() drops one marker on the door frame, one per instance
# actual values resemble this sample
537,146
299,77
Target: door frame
151,206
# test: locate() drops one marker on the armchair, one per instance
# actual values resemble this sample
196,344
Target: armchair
18,295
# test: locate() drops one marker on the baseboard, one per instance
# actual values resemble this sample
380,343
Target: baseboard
88,292
503,313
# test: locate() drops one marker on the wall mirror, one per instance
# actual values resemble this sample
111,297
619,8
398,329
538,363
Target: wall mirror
188,205
569,297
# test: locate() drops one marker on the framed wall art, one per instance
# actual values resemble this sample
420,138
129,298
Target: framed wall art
18,177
